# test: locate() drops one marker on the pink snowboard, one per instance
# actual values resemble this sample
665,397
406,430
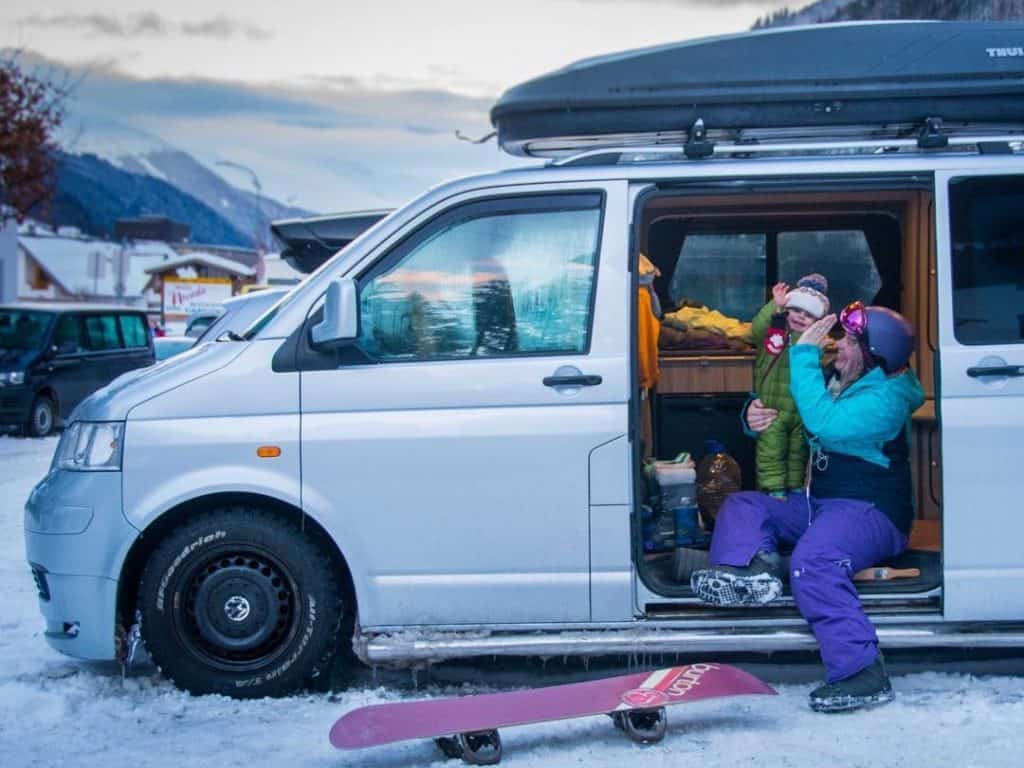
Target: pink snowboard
386,723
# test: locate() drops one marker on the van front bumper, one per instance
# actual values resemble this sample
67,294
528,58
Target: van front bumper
15,402
76,539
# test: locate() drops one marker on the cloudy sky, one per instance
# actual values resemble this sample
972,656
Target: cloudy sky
336,105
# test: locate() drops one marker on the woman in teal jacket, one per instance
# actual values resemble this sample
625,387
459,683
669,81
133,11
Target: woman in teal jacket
857,510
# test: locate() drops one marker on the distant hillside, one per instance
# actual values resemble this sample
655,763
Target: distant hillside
235,209
92,193
876,10
238,206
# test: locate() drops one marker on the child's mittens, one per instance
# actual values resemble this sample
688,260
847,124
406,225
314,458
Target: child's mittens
775,339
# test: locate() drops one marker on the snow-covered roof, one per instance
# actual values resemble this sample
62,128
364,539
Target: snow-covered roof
70,262
280,272
65,306
205,259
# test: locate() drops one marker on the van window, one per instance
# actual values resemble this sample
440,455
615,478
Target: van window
67,336
502,278
733,272
987,234
23,329
101,333
133,331
843,256
726,271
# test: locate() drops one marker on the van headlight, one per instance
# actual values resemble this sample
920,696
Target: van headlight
14,378
91,446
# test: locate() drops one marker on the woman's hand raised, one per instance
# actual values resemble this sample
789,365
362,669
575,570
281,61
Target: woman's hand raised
817,333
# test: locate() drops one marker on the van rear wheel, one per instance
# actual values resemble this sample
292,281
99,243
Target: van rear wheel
240,602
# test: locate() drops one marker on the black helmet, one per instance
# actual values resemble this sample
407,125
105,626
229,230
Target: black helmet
889,337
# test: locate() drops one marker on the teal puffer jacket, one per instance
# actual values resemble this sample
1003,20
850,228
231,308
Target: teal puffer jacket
865,415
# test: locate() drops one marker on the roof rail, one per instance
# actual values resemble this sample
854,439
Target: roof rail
930,136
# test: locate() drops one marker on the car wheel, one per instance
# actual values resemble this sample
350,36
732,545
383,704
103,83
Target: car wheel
240,602
42,418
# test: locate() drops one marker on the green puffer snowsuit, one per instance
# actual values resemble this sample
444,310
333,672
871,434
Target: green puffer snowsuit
782,448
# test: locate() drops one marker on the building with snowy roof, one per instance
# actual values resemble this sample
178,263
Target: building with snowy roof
55,268
206,265
279,273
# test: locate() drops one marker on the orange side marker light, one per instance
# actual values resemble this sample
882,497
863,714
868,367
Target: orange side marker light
268,451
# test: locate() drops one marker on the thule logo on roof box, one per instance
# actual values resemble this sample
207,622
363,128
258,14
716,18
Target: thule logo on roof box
999,53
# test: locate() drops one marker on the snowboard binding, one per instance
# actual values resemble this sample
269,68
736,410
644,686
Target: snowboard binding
644,726
476,748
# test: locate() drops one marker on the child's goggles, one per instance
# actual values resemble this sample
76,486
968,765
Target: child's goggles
854,318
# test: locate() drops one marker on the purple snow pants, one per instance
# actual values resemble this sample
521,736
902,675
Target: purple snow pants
834,539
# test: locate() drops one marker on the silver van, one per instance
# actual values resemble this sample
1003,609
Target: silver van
432,448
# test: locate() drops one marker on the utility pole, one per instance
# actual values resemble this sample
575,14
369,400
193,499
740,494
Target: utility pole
262,224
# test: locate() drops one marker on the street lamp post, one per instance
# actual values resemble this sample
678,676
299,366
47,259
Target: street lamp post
261,226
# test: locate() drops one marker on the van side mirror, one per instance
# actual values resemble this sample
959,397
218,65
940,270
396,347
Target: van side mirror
340,323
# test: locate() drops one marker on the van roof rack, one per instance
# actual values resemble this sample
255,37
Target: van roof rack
931,135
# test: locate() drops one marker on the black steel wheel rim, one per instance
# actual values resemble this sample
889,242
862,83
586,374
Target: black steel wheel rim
238,609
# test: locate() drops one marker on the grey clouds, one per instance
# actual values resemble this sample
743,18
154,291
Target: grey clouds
148,24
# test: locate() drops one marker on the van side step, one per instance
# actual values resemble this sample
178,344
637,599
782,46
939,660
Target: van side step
411,647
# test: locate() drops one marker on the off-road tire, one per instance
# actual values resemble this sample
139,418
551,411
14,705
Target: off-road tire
239,601
42,417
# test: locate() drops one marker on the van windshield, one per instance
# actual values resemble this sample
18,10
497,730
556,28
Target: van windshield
23,329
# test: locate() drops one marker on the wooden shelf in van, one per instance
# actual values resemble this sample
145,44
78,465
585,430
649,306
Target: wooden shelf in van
698,374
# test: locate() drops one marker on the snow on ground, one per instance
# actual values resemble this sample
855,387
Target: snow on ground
55,711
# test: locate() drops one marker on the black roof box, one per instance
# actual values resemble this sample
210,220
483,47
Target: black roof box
308,243
863,74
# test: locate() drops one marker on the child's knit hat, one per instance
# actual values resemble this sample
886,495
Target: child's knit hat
810,295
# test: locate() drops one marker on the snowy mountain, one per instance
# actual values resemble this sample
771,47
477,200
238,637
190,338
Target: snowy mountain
91,194
873,10
815,13
142,154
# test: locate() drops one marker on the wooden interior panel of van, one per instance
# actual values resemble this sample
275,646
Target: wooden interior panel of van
689,374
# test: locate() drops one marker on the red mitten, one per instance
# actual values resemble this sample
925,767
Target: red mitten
775,339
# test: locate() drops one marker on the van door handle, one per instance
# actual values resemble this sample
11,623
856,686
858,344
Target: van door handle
583,380
995,370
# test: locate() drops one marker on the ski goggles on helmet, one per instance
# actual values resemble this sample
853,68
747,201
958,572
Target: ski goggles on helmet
854,318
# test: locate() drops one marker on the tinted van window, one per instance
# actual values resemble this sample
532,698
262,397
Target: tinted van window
724,271
133,331
987,234
101,333
843,256
23,329
67,336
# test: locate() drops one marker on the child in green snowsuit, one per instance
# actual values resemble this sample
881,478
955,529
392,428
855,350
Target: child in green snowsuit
782,448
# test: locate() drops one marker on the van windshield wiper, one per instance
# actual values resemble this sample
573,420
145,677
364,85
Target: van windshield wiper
230,336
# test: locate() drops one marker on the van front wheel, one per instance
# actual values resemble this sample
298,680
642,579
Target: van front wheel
42,418
240,602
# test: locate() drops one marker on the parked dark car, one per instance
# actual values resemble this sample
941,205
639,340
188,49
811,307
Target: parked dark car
53,356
